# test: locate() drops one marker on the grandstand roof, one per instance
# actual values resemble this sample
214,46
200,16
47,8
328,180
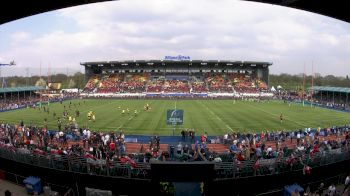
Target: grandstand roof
21,89
331,89
162,62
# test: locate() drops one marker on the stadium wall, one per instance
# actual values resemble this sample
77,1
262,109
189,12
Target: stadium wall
78,181
266,183
175,172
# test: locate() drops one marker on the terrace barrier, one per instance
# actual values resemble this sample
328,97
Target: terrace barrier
80,172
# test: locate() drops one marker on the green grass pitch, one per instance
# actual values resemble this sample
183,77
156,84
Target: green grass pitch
216,117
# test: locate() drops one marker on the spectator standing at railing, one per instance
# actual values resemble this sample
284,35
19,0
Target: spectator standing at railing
179,148
331,190
347,183
183,134
157,140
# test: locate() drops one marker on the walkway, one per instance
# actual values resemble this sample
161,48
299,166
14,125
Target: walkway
16,190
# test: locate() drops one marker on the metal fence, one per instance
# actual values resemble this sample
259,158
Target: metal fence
81,164
262,167
226,169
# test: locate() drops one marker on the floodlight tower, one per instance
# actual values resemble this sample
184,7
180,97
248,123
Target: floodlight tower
12,63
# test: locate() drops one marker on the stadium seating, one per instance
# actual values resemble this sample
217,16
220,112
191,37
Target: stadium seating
217,82
135,83
158,83
199,87
155,86
239,158
110,83
92,83
176,86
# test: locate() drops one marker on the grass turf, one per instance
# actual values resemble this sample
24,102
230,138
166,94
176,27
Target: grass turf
216,117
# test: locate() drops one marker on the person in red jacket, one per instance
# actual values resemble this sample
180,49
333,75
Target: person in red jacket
112,146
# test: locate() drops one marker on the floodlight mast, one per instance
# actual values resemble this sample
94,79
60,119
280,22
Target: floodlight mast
12,63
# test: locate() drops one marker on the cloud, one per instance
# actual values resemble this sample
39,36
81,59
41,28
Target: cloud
202,29
19,38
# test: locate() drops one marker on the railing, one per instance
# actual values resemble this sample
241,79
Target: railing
80,164
140,170
229,170
70,192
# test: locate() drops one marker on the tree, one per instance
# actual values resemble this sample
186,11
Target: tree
13,84
78,77
40,82
71,84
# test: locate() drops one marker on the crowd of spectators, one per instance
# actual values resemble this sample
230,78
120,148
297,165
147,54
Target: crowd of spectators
101,147
199,87
92,83
217,82
110,83
15,104
155,86
21,102
145,82
246,83
135,83
176,86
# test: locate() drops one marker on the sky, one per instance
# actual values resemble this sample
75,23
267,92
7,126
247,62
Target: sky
291,39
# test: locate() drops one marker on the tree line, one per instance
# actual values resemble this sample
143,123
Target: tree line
296,82
76,80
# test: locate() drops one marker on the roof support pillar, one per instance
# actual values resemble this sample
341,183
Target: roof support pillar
346,100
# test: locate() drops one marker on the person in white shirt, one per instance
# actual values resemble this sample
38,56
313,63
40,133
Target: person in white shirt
179,148
300,148
88,133
103,139
217,159
331,190
84,133
269,149
347,183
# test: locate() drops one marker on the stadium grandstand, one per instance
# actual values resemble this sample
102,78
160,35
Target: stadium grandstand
236,163
76,147
19,97
177,78
332,97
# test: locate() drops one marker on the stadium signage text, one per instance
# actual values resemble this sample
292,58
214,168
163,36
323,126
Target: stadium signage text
177,58
175,117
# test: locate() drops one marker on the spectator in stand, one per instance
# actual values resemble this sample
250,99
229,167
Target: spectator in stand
27,139
179,148
8,193
331,190
295,193
346,184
